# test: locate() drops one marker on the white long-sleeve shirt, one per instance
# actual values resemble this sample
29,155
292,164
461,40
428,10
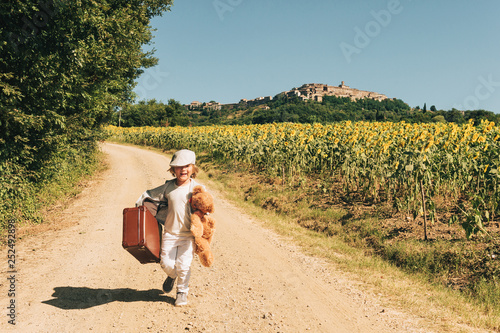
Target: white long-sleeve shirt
177,215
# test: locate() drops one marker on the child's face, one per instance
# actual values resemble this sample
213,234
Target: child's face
183,174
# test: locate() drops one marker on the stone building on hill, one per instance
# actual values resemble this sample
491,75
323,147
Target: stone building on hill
316,92
309,91
256,101
195,105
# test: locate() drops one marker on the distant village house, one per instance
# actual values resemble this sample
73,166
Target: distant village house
309,91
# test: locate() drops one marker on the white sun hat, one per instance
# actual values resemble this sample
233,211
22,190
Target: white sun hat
183,157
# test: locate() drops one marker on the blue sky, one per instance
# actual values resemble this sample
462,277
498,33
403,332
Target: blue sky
444,53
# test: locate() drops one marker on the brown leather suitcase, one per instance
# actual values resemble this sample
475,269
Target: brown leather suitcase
141,234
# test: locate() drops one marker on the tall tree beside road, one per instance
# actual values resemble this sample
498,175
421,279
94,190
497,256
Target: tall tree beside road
64,67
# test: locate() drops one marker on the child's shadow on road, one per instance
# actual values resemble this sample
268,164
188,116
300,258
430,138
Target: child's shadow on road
71,298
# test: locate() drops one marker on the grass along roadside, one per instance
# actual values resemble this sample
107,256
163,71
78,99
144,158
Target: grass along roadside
351,243
50,198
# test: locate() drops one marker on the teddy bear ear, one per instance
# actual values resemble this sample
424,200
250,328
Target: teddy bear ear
197,189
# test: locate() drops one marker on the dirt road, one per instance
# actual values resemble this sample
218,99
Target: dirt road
80,279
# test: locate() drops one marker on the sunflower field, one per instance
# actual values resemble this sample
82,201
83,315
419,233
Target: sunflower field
418,168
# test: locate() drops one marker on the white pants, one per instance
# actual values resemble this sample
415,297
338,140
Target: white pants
175,259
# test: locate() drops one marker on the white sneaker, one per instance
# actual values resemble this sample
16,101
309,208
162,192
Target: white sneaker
181,299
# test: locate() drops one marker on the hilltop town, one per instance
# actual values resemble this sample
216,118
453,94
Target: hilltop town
309,91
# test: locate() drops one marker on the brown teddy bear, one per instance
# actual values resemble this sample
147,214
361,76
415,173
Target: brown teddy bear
202,225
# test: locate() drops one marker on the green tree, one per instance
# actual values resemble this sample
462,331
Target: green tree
478,115
439,119
153,113
66,65
144,113
454,116
175,114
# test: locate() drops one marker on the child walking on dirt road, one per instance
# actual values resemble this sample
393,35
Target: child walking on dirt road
177,248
